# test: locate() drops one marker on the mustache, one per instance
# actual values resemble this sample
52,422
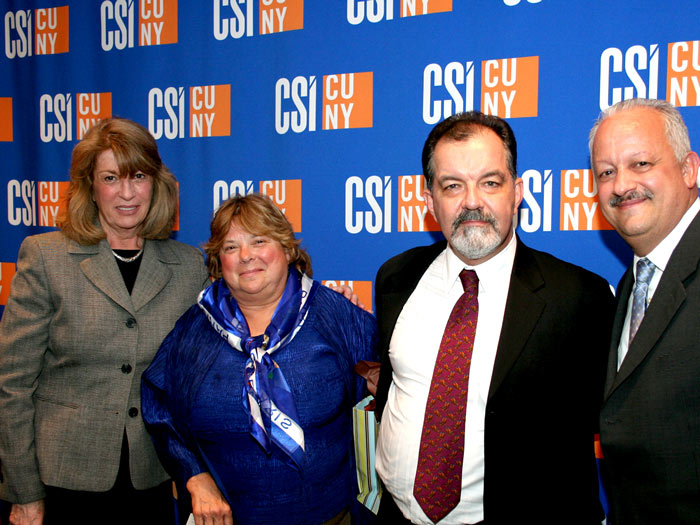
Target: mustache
630,195
473,215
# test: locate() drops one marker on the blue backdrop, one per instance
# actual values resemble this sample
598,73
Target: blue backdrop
325,105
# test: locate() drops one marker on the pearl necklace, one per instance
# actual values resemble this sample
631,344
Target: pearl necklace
127,259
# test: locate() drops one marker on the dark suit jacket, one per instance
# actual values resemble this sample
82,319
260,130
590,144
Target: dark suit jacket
546,387
73,345
650,421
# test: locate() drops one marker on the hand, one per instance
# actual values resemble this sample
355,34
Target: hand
208,504
27,513
351,296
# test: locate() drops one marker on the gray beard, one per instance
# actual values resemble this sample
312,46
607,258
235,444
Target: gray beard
475,242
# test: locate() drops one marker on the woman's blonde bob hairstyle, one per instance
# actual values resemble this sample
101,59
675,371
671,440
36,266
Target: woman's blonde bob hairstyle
135,150
257,215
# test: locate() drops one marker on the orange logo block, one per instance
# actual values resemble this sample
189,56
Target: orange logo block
424,7
580,208
286,194
363,289
6,134
52,201
92,107
413,210
348,100
52,30
281,15
7,271
157,22
509,87
683,73
210,111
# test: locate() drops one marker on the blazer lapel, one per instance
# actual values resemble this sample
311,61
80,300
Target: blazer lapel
154,272
624,289
668,298
523,309
101,270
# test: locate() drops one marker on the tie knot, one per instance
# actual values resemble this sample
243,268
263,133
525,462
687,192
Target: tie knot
470,281
645,269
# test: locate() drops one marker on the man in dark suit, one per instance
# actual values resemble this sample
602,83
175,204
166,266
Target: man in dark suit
650,420
524,451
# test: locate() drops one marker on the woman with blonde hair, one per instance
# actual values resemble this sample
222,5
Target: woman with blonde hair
88,308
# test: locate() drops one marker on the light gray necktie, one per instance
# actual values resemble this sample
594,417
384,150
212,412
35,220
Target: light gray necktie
645,270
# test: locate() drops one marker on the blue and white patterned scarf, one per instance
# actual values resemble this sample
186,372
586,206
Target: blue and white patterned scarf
266,394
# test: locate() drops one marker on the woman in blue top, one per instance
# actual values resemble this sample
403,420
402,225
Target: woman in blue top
249,398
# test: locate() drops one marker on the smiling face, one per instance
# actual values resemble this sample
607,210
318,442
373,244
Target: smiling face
474,196
254,267
642,187
122,200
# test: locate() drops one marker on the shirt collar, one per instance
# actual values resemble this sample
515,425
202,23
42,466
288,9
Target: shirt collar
489,272
663,251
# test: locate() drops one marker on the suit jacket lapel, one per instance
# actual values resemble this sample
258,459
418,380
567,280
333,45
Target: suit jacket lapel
668,298
624,289
101,270
523,309
154,273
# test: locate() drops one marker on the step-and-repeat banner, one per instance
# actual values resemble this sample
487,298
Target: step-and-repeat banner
324,105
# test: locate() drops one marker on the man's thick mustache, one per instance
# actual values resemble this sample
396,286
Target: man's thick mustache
630,195
473,215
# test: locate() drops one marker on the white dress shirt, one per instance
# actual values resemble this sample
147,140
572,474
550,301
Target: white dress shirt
659,256
413,351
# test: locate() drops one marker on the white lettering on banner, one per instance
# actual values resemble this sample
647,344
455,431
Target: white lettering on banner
410,190
637,60
299,90
678,88
332,92
121,13
61,107
454,74
536,216
224,190
378,218
19,23
236,26
46,19
507,68
151,9
24,212
374,10
511,3
172,100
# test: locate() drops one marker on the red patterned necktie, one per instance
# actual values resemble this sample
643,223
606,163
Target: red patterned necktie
438,484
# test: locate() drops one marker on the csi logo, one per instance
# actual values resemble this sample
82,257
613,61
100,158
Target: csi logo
379,10
286,194
368,204
56,116
580,208
38,32
347,102
31,203
7,271
235,18
629,73
157,23
208,111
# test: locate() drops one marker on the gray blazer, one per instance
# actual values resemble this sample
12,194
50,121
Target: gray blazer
73,345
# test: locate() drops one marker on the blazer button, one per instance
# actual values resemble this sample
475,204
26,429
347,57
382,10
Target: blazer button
133,412
130,322
126,368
